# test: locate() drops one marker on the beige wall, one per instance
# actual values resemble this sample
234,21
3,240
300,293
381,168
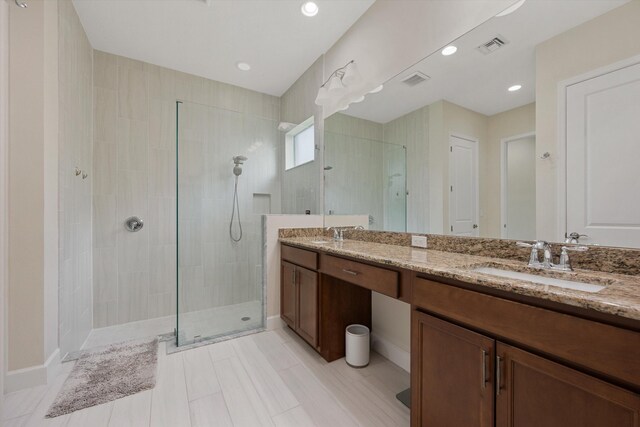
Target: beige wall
604,40
510,123
26,186
33,187
4,163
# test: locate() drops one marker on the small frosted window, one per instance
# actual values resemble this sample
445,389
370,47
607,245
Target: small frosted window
303,147
300,145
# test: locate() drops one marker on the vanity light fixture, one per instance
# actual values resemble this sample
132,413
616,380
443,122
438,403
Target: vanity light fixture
514,88
309,8
377,89
243,66
337,85
449,50
511,9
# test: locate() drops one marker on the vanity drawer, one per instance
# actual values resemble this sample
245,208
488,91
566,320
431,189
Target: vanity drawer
608,350
301,257
375,278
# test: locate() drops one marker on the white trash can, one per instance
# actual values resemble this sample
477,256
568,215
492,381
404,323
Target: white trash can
357,345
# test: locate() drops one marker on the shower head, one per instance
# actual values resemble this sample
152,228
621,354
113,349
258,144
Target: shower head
238,160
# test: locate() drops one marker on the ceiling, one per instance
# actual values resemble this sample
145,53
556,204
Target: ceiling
208,37
479,82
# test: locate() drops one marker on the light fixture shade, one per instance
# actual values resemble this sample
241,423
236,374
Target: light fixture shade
323,96
358,99
351,74
377,89
335,85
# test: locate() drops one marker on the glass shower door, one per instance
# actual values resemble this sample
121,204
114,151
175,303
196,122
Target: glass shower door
220,288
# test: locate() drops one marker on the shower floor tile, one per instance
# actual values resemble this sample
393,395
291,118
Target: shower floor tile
205,323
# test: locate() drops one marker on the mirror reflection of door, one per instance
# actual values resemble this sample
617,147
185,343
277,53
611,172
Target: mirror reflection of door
519,192
602,158
463,196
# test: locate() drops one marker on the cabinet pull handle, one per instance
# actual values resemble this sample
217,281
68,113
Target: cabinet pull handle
485,378
293,276
499,361
351,272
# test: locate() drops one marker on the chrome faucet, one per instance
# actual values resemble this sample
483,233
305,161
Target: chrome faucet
547,261
338,232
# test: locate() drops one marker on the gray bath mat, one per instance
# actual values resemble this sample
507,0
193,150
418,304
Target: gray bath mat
113,372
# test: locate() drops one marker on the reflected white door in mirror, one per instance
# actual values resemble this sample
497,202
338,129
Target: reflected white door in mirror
463,191
603,149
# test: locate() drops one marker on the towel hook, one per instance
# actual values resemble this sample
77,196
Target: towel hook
21,4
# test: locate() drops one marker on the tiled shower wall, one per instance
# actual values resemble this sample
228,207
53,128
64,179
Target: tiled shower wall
354,151
134,274
75,150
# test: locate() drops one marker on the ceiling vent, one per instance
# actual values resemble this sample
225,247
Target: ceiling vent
415,79
492,45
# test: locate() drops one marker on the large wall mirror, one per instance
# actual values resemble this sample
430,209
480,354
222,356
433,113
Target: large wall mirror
529,130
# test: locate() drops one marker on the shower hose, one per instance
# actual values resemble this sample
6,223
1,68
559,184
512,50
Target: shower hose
236,207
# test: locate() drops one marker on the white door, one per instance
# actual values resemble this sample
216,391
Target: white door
463,180
603,158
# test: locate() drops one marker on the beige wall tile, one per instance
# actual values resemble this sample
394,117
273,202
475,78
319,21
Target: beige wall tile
105,70
132,93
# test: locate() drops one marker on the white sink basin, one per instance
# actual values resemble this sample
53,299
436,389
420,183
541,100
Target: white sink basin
542,280
319,242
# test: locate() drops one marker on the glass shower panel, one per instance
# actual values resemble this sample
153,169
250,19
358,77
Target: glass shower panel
220,282
365,177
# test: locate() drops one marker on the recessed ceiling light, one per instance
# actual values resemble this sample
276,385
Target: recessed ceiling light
515,88
377,89
243,66
309,8
511,8
449,50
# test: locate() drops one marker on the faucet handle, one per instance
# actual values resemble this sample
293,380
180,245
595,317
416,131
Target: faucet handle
565,262
533,257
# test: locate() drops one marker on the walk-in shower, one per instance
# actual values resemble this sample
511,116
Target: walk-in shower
219,220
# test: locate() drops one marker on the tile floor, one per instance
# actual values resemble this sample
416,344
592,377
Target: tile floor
271,378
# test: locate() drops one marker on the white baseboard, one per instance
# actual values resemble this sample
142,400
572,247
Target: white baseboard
395,354
274,322
33,376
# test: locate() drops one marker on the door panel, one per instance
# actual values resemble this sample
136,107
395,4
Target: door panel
603,148
288,294
308,305
463,187
452,379
537,392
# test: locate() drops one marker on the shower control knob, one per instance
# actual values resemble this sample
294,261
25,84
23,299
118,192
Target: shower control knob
133,224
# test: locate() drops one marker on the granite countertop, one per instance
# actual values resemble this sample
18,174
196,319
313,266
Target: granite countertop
621,296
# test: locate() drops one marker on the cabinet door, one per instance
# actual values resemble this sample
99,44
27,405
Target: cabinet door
533,391
451,375
288,295
308,305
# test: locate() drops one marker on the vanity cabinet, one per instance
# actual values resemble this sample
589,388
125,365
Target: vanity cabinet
299,301
452,374
534,391
536,367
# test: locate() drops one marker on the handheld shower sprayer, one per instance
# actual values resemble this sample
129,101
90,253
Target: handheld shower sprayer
238,161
